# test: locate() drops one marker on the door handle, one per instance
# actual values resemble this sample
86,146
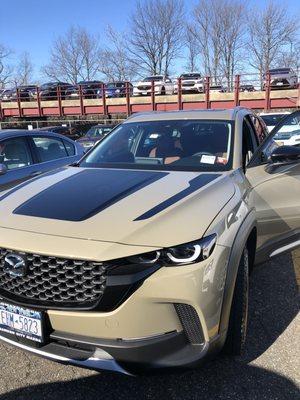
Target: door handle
36,173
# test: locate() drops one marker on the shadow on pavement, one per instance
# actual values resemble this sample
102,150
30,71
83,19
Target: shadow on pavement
273,305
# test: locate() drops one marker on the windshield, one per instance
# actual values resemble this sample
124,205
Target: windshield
271,120
153,78
46,85
190,76
96,131
193,145
289,127
280,71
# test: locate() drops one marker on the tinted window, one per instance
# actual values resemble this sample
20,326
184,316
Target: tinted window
259,128
70,148
288,132
272,119
15,153
153,78
49,148
96,131
178,145
249,142
190,76
280,71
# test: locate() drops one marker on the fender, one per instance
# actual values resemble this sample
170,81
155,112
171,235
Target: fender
240,240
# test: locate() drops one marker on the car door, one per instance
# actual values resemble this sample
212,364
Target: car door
52,152
17,162
276,198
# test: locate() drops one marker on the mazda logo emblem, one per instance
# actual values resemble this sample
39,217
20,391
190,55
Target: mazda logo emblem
15,265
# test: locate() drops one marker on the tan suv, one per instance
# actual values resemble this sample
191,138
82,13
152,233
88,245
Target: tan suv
138,256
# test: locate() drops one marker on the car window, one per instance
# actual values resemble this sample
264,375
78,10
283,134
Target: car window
288,132
259,128
49,148
15,153
190,145
70,148
250,141
98,131
272,119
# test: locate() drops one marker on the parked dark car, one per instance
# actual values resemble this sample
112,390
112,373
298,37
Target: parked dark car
70,132
49,91
22,92
93,135
217,88
247,88
89,90
118,89
6,94
27,154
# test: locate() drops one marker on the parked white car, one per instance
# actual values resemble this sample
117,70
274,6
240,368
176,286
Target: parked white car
271,119
162,85
288,131
191,82
283,78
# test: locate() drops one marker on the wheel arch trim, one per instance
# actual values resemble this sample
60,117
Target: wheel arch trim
245,231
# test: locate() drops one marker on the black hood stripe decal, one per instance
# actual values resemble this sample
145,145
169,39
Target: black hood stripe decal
83,195
194,185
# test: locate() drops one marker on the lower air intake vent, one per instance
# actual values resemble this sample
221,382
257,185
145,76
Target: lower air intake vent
190,323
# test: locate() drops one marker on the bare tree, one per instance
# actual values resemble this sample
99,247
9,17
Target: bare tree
192,48
232,38
24,70
89,51
6,70
73,57
208,30
289,56
156,34
270,31
114,62
219,33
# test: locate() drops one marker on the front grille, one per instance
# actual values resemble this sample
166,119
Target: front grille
52,281
190,322
188,84
144,87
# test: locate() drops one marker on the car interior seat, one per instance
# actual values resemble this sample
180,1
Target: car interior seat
166,149
15,155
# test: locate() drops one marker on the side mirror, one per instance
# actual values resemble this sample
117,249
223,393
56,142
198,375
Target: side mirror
3,169
286,154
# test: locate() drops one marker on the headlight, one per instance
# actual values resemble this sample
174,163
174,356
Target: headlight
188,253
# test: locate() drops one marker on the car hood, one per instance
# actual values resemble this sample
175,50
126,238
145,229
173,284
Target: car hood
148,83
136,207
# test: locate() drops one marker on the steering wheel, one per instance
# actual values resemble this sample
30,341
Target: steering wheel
203,153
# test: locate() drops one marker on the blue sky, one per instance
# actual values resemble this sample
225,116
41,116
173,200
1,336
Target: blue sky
32,25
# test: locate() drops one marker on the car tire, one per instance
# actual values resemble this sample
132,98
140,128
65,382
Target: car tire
237,328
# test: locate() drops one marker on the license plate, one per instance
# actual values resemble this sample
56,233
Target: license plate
21,322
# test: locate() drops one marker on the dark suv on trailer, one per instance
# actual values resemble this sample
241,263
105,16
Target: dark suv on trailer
50,90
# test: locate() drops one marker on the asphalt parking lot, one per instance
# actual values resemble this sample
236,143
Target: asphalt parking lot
269,369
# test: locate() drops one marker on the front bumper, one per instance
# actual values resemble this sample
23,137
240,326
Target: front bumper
127,357
147,330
